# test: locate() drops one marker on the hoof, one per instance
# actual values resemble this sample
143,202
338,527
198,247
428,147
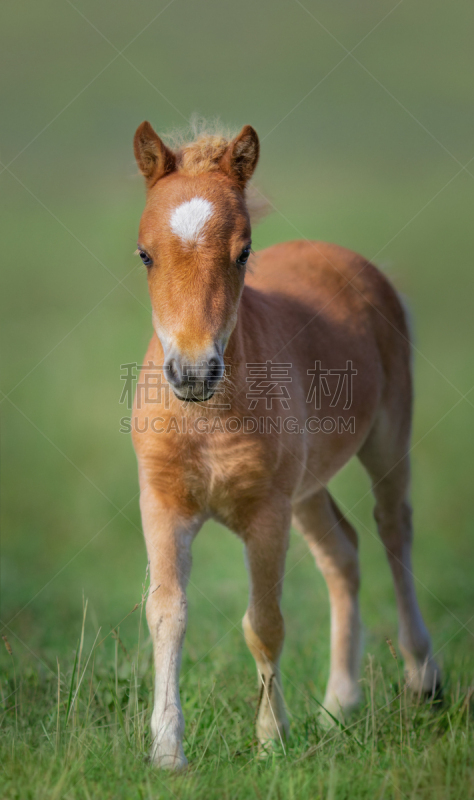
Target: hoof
434,696
334,713
169,758
424,680
270,747
271,740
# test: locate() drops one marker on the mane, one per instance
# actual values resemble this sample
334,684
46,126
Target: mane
200,146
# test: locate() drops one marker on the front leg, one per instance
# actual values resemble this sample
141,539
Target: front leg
266,538
168,535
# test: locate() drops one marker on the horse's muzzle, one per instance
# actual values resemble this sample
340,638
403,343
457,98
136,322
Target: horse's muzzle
194,382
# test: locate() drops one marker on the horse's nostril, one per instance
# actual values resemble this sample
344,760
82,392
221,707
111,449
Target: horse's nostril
215,369
173,371
194,377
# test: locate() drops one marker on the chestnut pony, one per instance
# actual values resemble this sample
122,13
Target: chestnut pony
310,308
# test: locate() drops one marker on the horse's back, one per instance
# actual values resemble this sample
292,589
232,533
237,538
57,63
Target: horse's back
318,272
338,306
331,286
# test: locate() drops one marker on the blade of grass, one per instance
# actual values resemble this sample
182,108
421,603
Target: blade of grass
71,687
120,715
343,728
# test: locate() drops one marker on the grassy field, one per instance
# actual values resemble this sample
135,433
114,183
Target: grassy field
371,150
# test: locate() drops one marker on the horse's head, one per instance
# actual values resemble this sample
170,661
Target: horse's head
195,241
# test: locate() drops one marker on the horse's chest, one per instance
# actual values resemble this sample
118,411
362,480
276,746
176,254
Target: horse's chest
229,473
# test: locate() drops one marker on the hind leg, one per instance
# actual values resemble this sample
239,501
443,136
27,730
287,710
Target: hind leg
333,543
385,456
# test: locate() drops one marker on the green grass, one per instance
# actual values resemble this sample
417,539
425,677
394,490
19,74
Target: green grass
367,156
81,730
72,729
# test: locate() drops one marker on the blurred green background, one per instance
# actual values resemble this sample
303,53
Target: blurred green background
366,116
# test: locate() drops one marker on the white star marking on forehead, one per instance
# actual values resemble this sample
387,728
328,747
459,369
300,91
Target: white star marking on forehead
188,219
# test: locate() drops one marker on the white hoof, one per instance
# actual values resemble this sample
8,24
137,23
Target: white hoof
337,707
169,756
272,732
423,679
276,740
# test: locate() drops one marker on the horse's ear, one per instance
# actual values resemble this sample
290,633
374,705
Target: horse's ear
154,159
240,158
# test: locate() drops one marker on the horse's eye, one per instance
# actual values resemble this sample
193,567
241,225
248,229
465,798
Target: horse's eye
244,256
145,258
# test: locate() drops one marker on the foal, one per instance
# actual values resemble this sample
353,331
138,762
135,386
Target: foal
210,444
